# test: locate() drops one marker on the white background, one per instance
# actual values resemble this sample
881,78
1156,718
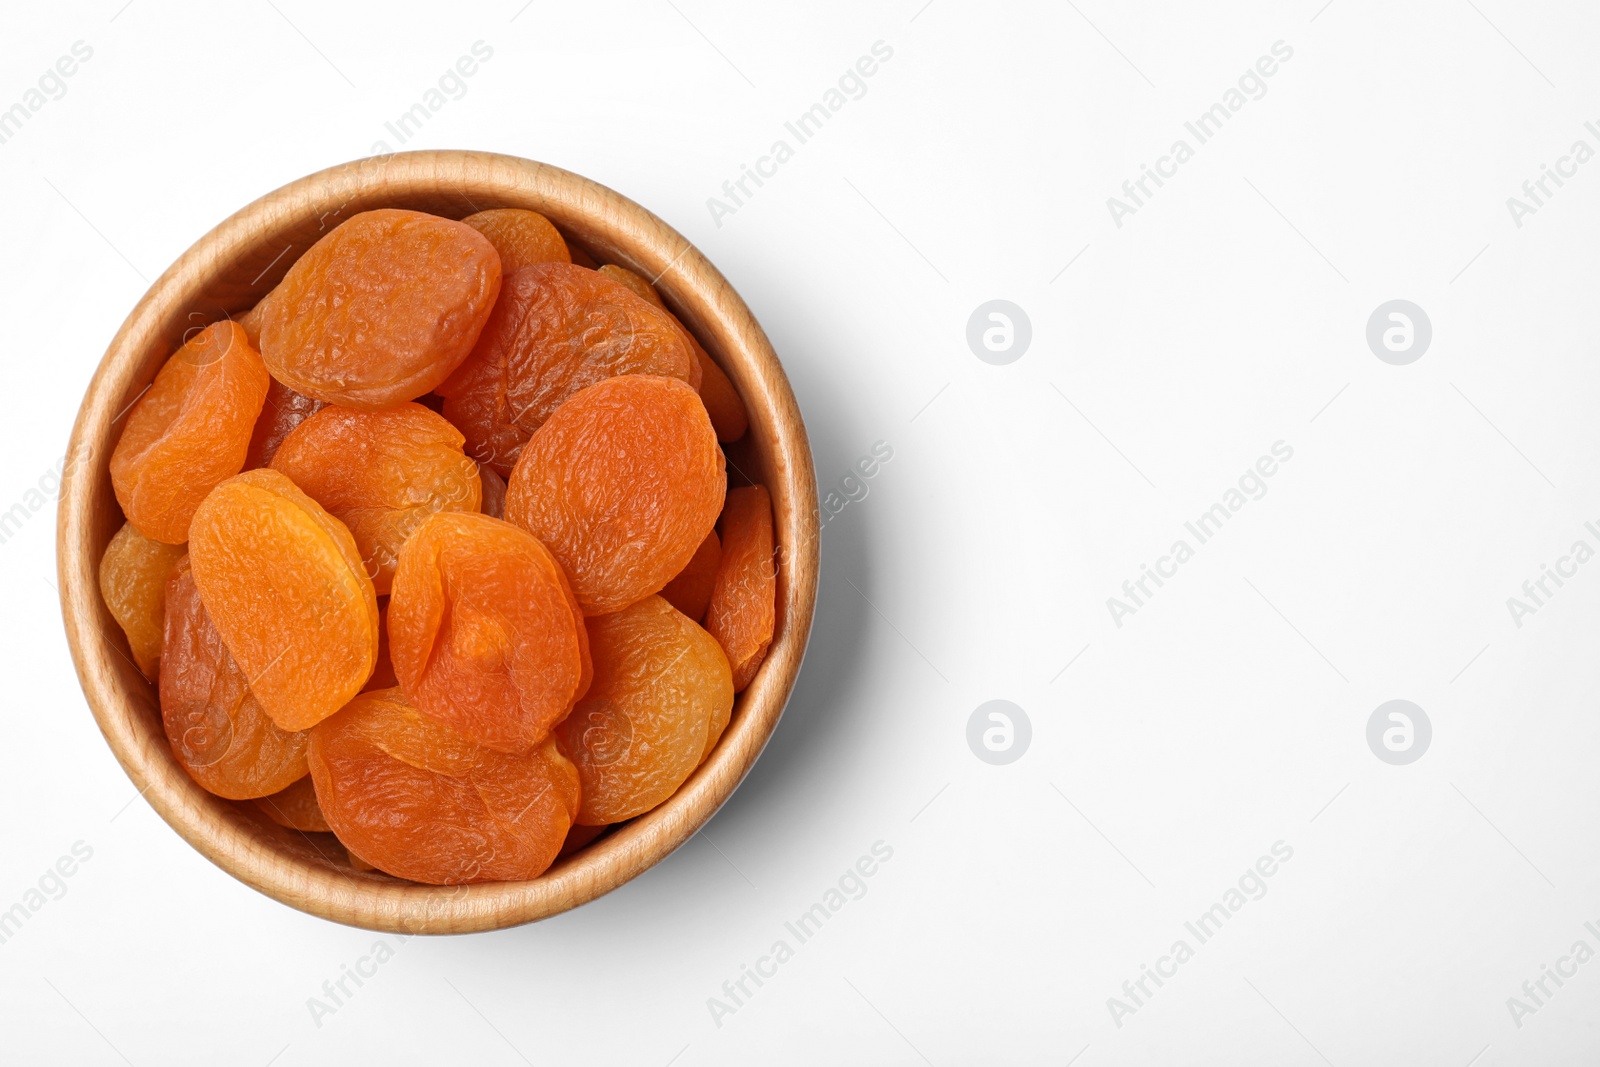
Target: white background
1226,715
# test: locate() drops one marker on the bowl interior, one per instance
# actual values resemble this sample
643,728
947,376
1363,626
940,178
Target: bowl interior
225,274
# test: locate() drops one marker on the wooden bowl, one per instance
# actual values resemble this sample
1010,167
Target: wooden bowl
227,272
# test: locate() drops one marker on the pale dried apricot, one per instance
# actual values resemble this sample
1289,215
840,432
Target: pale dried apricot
380,310
522,238
659,681
743,609
189,431
483,632
621,484
133,583
556,330
218,730
381,473
284,583
419,801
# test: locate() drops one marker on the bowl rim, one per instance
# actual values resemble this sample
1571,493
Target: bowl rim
121,700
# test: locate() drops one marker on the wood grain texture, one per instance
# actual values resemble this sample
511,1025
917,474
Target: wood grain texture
226,273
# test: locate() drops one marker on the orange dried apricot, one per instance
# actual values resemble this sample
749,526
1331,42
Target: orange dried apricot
494,492
133,583
659,681
690,591
283,411
483,632
381,473
721,398
284,583
295,807
218,731
380,310
621,484
556,330
189,431
419,801
522,238
743,607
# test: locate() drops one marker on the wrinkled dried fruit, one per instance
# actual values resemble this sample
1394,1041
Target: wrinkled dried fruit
483,632
556,330
622,484
295,807
133,582
659,681
218,730
494,492
522,238
721,398
419,801
381,310
690,591
284,583
381,473
189,431
743,607
283,411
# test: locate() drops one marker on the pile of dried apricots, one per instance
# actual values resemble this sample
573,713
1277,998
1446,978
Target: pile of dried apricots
434,547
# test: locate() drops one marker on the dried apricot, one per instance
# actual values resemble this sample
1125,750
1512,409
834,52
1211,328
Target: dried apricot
283,411
189,431
483,632
522,238
556,330
133,583
295,807
381,473
380,310
690,591
743,607
494,492
283,581
621,484
419,801
721,398
218,730
659,681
